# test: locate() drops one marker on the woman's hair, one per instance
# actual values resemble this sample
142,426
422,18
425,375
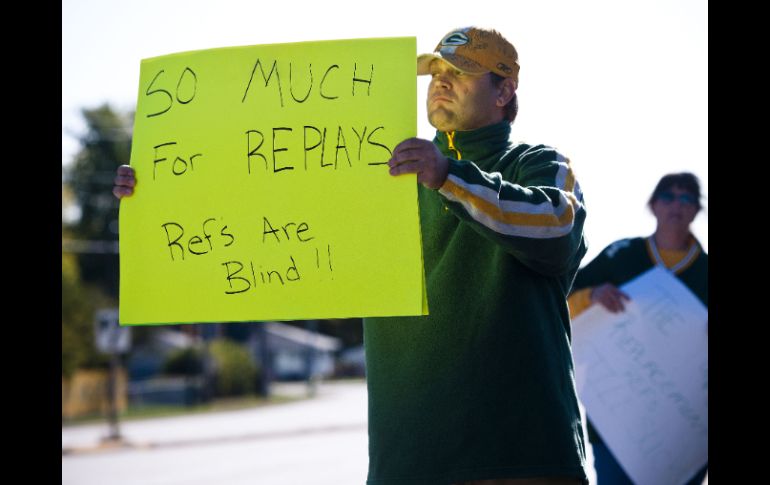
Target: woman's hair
684,180
512,108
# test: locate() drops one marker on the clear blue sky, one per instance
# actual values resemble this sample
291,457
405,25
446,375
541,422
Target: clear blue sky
621,88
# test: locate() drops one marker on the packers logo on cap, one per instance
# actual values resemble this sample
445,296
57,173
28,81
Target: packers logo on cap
474,50
455,38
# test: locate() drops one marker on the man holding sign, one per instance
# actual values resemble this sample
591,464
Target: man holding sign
481,390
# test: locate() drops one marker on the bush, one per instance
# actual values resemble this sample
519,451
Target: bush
234,368
185,362
79,302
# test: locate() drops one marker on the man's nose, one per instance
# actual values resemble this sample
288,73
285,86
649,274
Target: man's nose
441,80
444,78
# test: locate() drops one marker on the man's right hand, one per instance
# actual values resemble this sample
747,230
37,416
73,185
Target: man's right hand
125,181
610,297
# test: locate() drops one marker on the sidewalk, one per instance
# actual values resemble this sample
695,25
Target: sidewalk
336,406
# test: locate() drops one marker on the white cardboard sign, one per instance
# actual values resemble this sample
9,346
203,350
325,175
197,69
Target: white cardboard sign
642,376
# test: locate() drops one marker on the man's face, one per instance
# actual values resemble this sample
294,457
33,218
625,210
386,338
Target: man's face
675,207
462,102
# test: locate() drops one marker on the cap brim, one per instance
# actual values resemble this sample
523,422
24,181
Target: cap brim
458,62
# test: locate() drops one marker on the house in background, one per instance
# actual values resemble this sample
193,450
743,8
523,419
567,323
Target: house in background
147,360
351,362
293,353
147,383
285,352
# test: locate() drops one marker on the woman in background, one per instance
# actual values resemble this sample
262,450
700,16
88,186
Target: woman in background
675,202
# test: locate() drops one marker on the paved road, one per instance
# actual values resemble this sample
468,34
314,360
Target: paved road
322,441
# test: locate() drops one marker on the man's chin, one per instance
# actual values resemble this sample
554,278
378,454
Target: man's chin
441,123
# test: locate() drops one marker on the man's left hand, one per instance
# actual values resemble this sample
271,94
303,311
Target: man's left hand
415,155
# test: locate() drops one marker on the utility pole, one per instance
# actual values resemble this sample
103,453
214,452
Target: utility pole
112,392
112,339
265,360
310,359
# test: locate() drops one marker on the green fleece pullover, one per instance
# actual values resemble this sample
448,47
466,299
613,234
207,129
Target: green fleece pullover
483,387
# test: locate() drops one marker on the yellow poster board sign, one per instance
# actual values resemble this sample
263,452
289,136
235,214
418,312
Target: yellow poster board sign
263,191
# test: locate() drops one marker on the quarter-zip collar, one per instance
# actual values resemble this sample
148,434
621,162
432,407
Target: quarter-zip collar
475,144
450,137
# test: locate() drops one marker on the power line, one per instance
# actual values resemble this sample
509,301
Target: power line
89,247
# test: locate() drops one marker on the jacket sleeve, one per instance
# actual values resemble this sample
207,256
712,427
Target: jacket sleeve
536,213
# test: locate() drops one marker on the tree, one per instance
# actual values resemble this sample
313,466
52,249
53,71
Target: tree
90,267
77,320
105,145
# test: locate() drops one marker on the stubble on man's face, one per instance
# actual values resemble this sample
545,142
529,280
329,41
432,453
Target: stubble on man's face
458,101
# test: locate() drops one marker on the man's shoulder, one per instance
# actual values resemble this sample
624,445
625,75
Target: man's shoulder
703,254
533,153
531,149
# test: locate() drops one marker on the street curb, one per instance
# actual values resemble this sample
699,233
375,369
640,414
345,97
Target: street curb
107,446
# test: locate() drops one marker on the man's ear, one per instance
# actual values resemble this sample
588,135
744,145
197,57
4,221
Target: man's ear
506,90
